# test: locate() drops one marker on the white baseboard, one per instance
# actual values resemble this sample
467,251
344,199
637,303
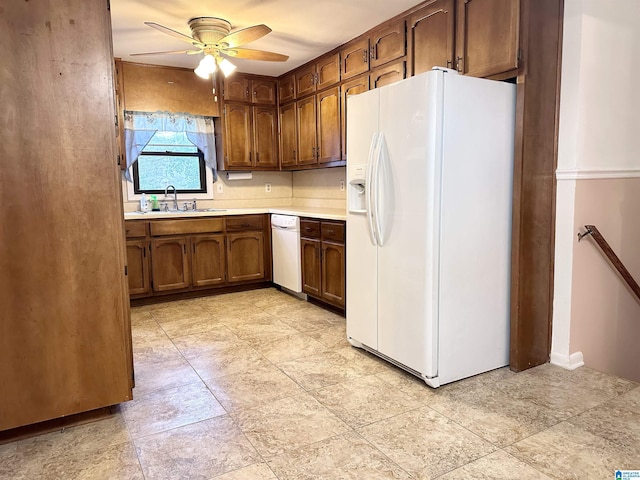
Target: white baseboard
570,362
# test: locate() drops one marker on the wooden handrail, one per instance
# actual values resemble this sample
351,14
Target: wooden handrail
612,257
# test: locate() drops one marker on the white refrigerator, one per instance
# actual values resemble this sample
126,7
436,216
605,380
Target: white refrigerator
429,174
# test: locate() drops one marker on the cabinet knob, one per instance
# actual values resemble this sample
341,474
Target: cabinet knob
459,64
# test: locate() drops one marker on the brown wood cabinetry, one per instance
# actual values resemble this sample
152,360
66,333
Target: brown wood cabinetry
138,259
306,126
236,89
286,88
321,74
387,74
246,248
250,136
355,58
387,43
430,36
170,263
350,87
323,260
241,88
118,83
208,263
487,36
288,136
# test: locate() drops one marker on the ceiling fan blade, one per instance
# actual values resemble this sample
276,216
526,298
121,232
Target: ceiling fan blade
256,55
173,33
173,52
245,35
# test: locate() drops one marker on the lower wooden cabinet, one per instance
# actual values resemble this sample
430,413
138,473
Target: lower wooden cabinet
208,260
323,260
138,255
170,263
245,252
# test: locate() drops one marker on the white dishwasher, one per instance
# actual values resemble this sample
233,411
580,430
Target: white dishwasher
285,244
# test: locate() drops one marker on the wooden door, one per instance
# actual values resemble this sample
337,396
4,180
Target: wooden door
328,125
431,37
351,87
355,58
236,88
306,126
310,251
265,139
286,88
170,263
306,80
237,129
207,260
387,43
391,73
327,71
138,268
263,92
288,140
487,36
333,273
245,256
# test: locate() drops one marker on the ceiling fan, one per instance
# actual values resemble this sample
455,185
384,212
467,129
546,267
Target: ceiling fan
212,36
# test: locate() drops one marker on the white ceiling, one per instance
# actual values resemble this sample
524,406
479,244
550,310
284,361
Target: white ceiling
302,29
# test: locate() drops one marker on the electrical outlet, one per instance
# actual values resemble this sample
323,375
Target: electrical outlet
219,187
267,187
342,185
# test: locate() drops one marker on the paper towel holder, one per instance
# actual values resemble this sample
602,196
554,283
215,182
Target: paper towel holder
239,175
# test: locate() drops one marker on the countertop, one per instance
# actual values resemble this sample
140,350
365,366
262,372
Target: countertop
312,212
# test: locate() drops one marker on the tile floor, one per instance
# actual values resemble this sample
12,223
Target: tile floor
260,385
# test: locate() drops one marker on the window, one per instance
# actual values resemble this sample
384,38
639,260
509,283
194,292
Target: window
169,159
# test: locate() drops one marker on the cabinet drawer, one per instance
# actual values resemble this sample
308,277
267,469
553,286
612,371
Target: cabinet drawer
244,222
177,227
310,228
134,228
333,231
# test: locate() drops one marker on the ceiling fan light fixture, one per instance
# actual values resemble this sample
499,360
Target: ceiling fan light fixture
227,67
206,66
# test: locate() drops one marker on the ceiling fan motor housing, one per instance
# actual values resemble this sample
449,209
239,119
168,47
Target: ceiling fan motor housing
209,30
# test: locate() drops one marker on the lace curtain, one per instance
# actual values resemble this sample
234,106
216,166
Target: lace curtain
139,127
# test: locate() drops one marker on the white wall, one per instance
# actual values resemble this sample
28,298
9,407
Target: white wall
598,133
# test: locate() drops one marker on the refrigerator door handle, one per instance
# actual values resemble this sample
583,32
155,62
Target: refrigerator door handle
375,189
369,189
381,188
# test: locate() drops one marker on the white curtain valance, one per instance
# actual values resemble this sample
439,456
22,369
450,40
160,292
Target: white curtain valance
139,127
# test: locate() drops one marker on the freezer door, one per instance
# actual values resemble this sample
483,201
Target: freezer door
407,193
362,270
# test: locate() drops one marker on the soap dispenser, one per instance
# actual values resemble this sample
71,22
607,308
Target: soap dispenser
143,203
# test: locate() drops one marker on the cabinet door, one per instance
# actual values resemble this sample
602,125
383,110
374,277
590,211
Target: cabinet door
170,263
265,137
328,124
207,260
387,43
263,92
286,88
236,89
487,36
306,80
237,126
138,267
328,71
288,140
430,37
310,251
306,123
352,87
355,58
333,273
245,256
387,74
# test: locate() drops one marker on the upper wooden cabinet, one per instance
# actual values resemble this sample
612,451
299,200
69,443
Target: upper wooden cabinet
242,88
430,37
288,136
387,43
350,87
318,128
152,88
319,75
487,36
250,139
355,58
387,74
286,88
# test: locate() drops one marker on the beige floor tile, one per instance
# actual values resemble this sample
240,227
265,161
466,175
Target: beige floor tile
167,409
179,327
498,465
566,451
406,382
346,456
141,316
366,400
173,311
287,424
323,369
495,416
227,358
200,450
425,443
274,297
252,388
306,319
331,337
629,401
170,373
259,471
262,330
291,347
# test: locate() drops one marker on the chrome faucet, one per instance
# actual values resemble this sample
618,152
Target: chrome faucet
175,195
